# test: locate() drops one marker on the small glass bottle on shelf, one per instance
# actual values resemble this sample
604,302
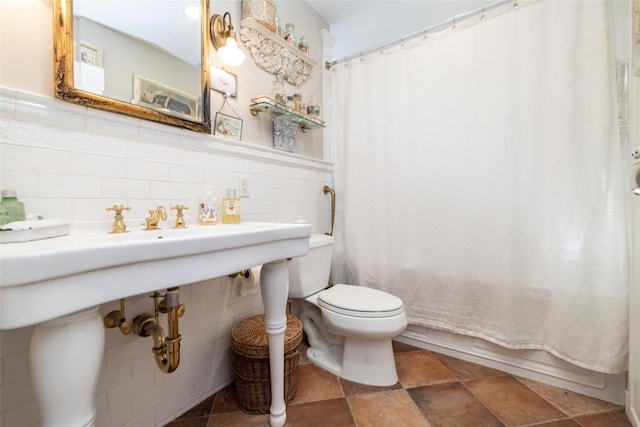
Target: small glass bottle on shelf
303,46
314,105
291,104
289,36
278,29
297,99
278,92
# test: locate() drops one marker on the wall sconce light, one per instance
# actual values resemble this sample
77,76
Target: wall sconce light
224,40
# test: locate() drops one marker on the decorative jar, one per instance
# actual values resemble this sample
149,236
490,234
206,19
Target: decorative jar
304,45
314,105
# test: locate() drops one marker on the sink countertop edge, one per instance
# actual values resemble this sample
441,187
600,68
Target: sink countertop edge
22,263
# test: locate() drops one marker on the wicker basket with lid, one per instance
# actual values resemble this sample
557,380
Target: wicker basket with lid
250,346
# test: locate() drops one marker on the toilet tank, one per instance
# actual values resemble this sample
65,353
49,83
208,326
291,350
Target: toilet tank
310,274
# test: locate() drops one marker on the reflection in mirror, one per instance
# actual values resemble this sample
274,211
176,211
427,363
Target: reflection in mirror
136,57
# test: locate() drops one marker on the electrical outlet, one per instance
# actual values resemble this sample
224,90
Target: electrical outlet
635,154
244,189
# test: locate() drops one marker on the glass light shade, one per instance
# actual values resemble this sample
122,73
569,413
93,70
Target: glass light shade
230,54
192,12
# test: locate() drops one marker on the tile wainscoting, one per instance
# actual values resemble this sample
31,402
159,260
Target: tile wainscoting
71,162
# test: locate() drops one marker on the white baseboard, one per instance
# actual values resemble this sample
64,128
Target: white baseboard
536,365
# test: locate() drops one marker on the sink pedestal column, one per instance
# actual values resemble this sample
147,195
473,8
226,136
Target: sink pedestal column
66,355
274,285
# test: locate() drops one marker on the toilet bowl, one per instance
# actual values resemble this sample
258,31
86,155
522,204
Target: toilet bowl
349,328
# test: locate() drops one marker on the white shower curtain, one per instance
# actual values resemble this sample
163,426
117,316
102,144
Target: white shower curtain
479,178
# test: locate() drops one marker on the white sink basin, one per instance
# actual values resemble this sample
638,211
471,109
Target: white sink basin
45,279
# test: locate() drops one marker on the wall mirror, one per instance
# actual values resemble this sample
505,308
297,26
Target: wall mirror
147,59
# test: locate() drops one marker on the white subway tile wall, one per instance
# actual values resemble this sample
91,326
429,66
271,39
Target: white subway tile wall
70,162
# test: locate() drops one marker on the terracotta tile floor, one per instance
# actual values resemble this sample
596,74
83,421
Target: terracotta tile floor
433,390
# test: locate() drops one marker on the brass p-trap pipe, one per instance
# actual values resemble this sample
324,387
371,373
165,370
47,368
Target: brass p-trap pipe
166,349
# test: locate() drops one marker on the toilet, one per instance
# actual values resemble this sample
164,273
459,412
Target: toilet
349,327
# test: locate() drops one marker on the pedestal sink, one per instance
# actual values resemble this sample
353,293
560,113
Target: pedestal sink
58,284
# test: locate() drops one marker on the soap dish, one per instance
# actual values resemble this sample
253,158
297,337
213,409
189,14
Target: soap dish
26,231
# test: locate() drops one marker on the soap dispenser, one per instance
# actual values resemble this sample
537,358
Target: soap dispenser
11,209
231,207
208,208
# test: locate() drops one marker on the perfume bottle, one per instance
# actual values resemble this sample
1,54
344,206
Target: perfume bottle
278,92
278,29
289,36
231,207
304,45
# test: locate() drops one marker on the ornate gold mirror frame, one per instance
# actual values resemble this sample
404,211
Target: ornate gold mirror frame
63,49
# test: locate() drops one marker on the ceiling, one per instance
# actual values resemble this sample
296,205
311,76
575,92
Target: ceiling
334,11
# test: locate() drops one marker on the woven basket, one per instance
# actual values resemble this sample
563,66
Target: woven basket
250,346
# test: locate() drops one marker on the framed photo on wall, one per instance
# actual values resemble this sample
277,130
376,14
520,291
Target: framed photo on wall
157,96
224,82
89,54
228,126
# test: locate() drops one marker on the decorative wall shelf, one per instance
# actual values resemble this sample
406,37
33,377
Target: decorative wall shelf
265,104
273,54
286,122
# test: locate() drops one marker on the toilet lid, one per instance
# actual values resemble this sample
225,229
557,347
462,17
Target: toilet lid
359,301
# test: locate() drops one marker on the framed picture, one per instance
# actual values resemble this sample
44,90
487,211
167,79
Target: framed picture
88,54
224,82
228,126
163,98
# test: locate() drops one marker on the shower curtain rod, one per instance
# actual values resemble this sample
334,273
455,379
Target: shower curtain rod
437,27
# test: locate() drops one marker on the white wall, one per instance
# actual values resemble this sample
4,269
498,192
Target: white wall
253,81
71,162
26,47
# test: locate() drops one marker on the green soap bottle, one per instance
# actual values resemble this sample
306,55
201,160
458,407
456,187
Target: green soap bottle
11,209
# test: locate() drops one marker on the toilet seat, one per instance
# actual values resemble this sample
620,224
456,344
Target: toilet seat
358,301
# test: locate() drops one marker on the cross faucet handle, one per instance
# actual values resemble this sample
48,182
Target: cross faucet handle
118,220
180,223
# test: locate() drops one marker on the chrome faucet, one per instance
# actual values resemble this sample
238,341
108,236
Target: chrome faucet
155,215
